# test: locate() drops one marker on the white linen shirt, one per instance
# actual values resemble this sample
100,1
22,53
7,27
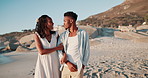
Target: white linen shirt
83,46
73,54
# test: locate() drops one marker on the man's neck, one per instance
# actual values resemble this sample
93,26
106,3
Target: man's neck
73,28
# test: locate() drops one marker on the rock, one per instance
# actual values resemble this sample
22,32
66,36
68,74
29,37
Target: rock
28,44
27,39
127,28
22,49
146,75
6,43
127,35
142,27
2,49
60,29
11,47
13,40
32,46
1,44
143,39
106,32
92,31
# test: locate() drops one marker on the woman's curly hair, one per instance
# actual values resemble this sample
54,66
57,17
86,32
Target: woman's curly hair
41,25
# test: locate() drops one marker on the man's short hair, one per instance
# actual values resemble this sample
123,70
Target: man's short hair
71,14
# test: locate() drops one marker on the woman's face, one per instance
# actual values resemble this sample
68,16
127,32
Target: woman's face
50,24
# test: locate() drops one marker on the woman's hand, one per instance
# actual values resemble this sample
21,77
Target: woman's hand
60,47
63,59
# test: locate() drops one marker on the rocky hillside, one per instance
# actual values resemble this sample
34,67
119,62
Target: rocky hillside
14,41
133,12
14,36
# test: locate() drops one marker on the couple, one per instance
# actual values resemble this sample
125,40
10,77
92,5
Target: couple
72,47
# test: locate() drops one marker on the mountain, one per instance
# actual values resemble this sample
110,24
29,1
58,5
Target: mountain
133,12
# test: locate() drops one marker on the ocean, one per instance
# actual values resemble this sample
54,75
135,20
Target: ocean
4,59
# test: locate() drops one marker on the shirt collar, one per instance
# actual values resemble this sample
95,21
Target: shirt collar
69,31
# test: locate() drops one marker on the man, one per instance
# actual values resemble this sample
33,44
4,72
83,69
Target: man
76,46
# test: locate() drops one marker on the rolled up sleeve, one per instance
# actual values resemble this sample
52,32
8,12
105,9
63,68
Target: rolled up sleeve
60,40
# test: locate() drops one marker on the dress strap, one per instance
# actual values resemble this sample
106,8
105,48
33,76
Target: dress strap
37,34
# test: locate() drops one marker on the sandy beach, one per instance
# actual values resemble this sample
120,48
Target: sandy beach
117,58
17,65
110,58
117,31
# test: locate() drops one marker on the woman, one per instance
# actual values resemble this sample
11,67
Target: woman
47,65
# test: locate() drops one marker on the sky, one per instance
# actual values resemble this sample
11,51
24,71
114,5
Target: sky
17,15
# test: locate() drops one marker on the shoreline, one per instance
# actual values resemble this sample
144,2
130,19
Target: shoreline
21,66
4,59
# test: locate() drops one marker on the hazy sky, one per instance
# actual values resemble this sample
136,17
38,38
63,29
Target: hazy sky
16,15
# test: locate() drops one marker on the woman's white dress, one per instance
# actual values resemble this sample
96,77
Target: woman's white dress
47,65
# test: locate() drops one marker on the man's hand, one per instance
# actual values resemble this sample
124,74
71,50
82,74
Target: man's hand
71,66
83,66
64,59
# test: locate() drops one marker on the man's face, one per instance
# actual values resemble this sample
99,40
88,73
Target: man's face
67,22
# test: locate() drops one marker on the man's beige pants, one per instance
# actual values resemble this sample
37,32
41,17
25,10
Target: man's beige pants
66,73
